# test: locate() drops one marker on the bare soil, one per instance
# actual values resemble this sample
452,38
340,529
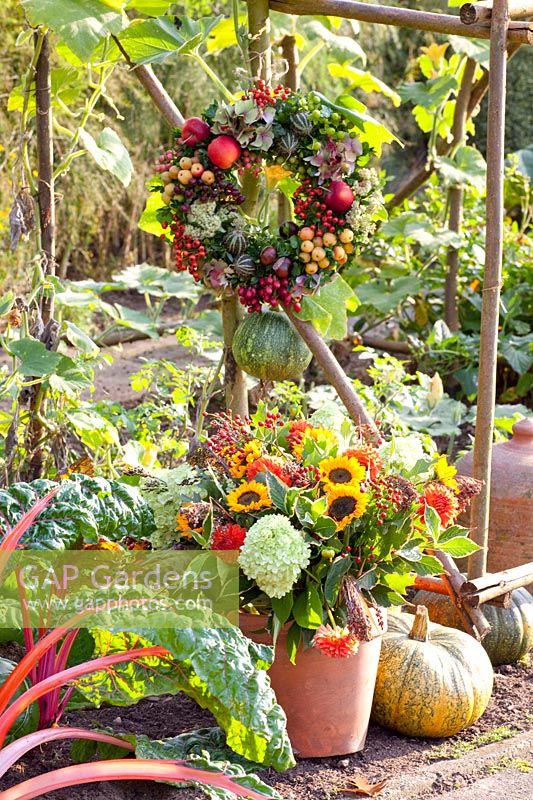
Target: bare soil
385,756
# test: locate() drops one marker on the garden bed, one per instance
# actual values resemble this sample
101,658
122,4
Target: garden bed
386,755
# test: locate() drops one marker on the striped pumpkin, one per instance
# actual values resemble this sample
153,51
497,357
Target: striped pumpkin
432,681
511,635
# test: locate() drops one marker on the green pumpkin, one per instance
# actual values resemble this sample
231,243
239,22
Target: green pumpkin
511,635
432,681
29,719
268,347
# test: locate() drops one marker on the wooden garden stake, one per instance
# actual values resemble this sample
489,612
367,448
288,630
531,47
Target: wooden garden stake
470,13
289,53
520,32
259,47
455,198
488,350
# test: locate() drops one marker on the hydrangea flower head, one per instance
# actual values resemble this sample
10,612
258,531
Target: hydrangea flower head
273,555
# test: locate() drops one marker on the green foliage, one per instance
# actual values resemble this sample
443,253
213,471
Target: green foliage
83,509
222,670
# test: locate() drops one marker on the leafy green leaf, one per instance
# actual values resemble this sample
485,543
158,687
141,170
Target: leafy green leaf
327,310
80,339
343,46
363,80
282,607
429,94
154,40
307,609
459,546
478,49
294,637
385,299
151,8
109,153
69,378
466,167
6,303
336,572
277,490
386,597
428,565
81,24
35,360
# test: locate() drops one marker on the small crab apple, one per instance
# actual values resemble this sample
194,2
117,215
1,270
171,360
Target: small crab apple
208,177
224,151
346,236
307,246
195,130
169,189
329,239
197,169
339,197
306,234
184,176
185,162
311,268
174,171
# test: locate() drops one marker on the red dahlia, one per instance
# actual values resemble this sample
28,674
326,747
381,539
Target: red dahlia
442,500
228,537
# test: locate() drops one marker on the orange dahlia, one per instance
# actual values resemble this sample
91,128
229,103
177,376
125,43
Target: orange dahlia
266,465
335,642
442,500
368,457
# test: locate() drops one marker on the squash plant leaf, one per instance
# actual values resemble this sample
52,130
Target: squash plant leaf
80,24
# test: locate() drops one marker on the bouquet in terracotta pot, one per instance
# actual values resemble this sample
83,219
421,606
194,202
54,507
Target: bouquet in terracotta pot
327,528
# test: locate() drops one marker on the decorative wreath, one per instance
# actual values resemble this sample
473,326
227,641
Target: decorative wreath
300,144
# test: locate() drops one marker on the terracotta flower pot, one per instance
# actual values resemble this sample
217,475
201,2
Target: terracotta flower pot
327,700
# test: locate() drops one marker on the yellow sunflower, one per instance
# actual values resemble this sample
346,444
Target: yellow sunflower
318,435
445,473
249,496
239,461
341,470
346,503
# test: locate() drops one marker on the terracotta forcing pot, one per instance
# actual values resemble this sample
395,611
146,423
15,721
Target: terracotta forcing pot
511,498
327,700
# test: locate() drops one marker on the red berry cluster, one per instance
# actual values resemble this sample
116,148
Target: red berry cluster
230,433
310,208
271,290
263,95
271,421
189,252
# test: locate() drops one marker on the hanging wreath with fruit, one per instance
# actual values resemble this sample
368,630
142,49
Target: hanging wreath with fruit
298,143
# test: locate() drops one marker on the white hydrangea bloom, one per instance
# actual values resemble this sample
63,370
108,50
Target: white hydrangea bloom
273,555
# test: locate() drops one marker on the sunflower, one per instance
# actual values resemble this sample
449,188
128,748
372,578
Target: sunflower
445,473
341,470
346,503
249,496
239,461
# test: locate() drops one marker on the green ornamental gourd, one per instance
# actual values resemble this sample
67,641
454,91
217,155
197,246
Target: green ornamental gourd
432,681
268,347
29,718
511,634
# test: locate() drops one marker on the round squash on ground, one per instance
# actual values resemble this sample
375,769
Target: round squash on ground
511,634
268,347
432,681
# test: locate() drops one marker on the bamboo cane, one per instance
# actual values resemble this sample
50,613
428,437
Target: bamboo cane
455,198
519,32
471,13
488,352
